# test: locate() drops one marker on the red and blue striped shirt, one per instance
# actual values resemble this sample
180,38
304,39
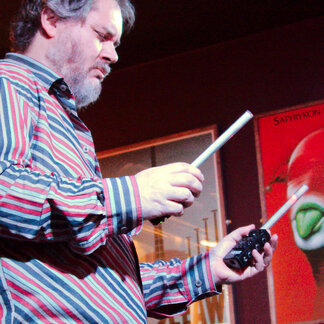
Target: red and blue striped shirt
66,247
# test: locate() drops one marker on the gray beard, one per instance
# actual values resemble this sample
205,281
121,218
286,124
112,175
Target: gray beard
65,60
84,93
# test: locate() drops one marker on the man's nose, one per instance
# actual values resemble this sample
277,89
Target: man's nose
109,53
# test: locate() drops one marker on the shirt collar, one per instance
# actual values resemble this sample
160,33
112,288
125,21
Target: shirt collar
50,79
43,73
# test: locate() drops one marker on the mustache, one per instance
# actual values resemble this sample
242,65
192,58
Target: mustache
103,67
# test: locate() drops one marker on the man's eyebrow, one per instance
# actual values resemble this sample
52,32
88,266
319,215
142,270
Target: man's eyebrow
109,32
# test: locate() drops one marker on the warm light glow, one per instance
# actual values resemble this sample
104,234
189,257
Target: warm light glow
208,243
150,229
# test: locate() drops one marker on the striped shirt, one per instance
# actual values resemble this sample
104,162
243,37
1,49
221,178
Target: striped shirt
66,247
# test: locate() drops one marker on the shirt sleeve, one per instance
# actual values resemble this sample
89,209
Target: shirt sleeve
37,206
170,287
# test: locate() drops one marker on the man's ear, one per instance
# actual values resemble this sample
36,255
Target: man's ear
49,22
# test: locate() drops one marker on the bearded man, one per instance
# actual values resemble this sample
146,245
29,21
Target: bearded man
66,233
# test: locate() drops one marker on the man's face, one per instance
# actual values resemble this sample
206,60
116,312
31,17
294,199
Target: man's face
306,166
83,51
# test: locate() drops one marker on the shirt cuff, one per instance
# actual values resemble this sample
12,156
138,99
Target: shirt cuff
198,279
122,204
197,282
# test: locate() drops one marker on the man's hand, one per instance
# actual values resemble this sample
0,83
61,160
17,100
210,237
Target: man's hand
168,189
225,275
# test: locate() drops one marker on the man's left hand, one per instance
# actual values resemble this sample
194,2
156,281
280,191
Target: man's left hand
225,275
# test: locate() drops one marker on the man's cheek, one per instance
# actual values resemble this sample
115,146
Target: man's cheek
98,47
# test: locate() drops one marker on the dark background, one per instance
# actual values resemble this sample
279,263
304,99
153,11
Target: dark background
189,64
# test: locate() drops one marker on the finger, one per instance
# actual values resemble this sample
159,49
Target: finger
196,173
268,253
230,240
174,208
240,232
183,196
269,249
169,208
180,167
180,194
188,181
274,241
259,260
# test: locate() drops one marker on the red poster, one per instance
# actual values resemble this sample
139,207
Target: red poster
290,146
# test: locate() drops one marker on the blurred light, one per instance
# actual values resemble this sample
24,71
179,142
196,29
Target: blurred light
208,243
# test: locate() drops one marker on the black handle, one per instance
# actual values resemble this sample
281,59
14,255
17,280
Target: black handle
159,220
239,257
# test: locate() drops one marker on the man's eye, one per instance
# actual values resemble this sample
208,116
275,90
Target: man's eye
101,36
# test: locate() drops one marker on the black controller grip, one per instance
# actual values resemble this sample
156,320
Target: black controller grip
157,221
239,257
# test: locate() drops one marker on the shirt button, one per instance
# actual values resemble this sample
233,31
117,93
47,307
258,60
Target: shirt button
124,230
101,197
198,283
86,149
63,87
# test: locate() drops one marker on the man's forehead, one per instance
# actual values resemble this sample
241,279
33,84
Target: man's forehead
106,12
99,4
107,15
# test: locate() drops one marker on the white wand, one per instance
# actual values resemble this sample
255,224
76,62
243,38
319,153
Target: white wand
221,140
282,210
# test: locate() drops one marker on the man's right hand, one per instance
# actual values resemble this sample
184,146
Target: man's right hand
168,189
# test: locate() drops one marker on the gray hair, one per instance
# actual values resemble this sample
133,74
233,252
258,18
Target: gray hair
28,19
